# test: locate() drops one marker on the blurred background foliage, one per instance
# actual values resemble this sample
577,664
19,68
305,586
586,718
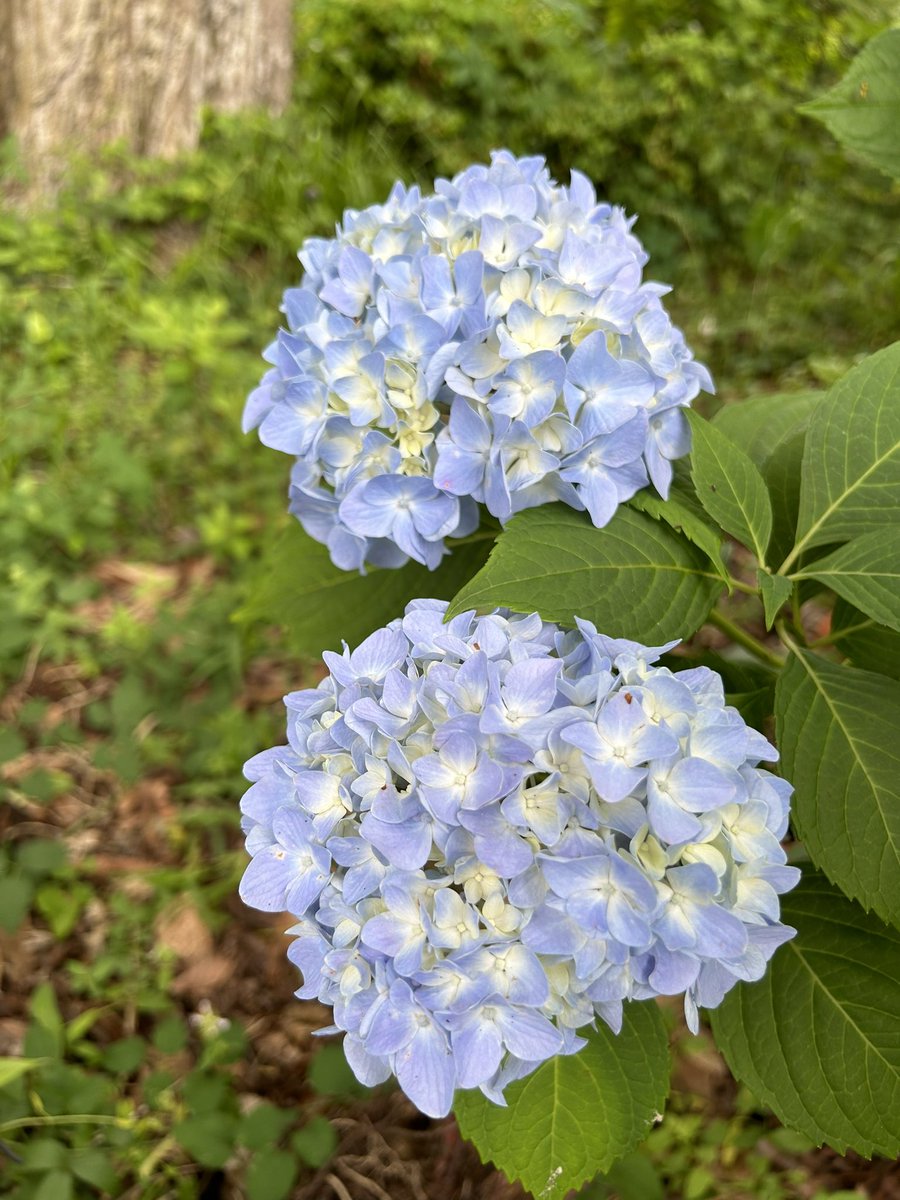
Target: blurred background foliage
133,513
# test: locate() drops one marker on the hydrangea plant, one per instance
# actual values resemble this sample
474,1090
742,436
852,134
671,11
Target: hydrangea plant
492,343
504,836
494,831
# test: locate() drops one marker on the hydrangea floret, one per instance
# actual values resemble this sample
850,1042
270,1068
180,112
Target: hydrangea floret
494,831
492,343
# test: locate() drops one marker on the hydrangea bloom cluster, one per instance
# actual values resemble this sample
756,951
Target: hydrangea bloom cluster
493,831
490,343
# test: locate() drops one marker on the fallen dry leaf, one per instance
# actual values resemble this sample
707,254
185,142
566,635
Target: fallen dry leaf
202,978
181,930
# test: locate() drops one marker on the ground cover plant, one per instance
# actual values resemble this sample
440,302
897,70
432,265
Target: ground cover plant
158,1050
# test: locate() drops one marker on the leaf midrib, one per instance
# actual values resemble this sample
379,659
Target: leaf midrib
857,573
750,518
835,504
740,498
629,566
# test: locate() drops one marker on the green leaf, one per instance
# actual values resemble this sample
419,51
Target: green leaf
42,786
781,472
316,1142
775,591
41,856
863,110
80,1025
130,703
867,644
205,1092
62,905
772,430
318,605
153,1085
45,1035
729,486
684,514
866,572
850,478
756,706
329,1073
44,1154
837,733
14,1068
95,1167
699,1183
170,1035
758,423
635,1178
264,1125
125,1056
271,1175
12,744
16,893
576,1114
209,1139
815,1038
635,578
56,1185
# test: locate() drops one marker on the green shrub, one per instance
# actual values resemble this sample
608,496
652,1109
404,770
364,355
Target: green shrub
682,112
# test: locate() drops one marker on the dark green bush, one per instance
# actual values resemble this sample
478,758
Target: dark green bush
684,109
683,112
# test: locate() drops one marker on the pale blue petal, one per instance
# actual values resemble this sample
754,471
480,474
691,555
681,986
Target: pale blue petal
477,1051
528,1035
426,1072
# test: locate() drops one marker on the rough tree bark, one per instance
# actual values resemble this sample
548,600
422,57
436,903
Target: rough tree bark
76,74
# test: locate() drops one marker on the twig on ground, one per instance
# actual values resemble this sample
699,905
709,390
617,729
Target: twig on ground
364,1182
337,1187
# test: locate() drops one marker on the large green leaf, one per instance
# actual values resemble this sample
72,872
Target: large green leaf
781,471
684,513
866,572
729,486
816,1037
635,578
772,429
837,732
578,1113
863,110
318,605
850,480
867,644
760,422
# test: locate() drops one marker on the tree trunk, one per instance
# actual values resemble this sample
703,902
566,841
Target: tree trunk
76,74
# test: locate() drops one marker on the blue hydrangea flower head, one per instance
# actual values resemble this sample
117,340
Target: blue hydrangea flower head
492,832
491,343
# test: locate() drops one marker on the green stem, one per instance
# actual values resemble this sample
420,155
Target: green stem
78,1119
742,638
147,1167
795,608
747,588
781,630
